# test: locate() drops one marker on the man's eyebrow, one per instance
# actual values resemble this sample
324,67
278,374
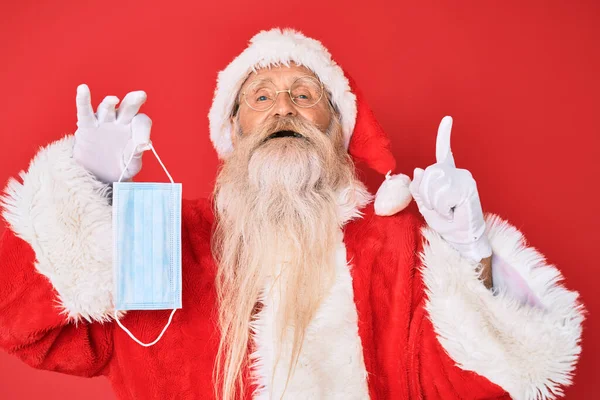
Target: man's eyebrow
291,79
261,80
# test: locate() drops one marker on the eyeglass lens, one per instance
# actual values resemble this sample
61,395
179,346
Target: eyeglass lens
305,92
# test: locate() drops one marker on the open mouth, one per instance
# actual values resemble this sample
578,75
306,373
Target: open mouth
281,134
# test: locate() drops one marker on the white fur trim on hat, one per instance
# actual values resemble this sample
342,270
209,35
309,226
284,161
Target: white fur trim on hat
270,48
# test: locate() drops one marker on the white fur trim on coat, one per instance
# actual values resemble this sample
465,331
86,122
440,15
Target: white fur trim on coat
529,351
331,363
271,48
63,212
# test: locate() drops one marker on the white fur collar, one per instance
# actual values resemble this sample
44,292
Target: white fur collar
351,201
331,363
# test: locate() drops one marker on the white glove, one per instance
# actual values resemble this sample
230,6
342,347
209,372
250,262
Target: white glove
448,200
105,141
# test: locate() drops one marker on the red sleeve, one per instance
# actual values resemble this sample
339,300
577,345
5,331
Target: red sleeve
433,374
31,324
527,351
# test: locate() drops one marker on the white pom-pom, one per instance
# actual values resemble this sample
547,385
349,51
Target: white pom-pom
393,195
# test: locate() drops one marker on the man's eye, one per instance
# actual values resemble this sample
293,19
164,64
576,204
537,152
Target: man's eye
303,96
262,98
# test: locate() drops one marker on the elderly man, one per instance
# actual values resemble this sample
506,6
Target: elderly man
293,284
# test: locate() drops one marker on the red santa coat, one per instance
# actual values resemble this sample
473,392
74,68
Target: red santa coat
415,322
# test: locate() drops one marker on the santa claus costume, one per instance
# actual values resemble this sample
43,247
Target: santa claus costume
406,318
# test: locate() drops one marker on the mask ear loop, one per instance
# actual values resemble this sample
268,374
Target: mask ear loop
127,331
131,335
148,146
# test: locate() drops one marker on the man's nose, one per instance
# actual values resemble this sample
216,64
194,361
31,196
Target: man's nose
283,106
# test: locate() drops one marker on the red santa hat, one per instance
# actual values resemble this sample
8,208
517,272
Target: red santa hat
363,136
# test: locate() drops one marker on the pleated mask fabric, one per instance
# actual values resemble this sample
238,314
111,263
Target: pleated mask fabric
147,247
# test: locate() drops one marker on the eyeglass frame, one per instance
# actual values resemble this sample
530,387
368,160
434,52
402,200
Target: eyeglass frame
289,92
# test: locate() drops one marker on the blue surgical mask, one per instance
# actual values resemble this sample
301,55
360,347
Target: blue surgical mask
147,246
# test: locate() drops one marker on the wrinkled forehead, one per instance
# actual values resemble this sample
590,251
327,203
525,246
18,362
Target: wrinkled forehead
281,75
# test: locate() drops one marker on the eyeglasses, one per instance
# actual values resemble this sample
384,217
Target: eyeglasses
305,92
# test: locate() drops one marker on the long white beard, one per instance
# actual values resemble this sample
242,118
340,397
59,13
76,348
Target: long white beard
277,208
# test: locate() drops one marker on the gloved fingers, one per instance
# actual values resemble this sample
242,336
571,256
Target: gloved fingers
434,179
130,106
465,176
85,112
416,181
131,160
446,200
141,126
470,222
459,189
468,213
106,110
415,185
435,183
443,152
139,142
132,165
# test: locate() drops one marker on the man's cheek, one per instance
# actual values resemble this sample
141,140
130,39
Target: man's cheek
324,115
321,120
310,116
251,122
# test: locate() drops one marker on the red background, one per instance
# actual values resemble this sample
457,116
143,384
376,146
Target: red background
519,78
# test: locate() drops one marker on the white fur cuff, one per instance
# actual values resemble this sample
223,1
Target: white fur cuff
529,351
63,212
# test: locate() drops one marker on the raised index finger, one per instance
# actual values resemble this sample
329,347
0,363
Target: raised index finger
85,112
443,152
